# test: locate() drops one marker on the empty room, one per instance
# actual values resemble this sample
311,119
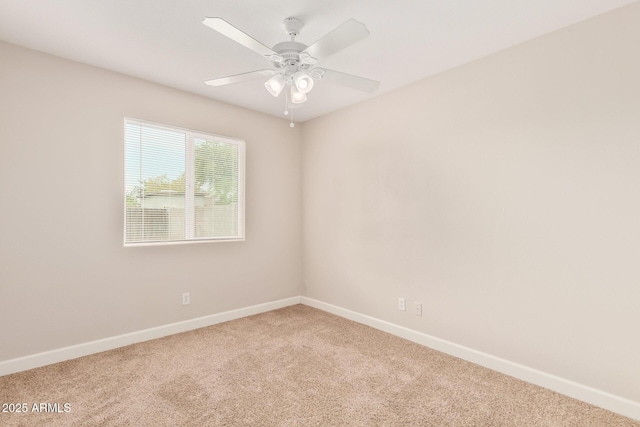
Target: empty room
303,213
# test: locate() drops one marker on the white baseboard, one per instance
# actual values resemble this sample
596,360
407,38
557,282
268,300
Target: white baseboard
569,388
59,355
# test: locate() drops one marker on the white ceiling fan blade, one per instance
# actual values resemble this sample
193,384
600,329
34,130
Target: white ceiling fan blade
237,78
343,36
349,80
238,36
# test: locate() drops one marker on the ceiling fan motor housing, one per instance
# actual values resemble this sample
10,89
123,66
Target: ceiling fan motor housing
290,50
290,53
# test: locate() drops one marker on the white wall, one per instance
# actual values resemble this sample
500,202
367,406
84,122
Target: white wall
504,195
65,277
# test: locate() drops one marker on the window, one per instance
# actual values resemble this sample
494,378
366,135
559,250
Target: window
181,186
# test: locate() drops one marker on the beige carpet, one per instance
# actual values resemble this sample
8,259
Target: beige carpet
297,366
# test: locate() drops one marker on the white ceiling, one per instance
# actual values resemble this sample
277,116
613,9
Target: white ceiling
164,41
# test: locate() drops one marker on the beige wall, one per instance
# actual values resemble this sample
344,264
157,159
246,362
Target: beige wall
65,277
504,195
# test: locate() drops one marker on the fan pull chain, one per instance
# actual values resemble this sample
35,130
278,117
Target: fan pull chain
286,108
286,102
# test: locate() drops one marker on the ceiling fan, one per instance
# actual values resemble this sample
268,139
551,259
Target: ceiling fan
293,62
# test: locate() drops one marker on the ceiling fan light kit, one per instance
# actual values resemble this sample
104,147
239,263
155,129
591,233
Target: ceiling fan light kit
292,60
303,82
297,97
275,84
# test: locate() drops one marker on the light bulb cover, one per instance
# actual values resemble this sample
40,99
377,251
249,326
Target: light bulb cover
303,82
275,84
297,97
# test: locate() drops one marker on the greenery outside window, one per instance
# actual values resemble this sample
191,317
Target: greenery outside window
181,185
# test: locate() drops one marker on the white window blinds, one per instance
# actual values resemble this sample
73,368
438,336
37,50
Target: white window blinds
181,185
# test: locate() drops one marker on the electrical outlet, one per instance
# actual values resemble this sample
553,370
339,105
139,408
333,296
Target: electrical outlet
186,298
417,308
401,304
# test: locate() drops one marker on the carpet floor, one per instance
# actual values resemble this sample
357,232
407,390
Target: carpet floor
296,366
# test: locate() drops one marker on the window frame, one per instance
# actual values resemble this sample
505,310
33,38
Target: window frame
190,136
